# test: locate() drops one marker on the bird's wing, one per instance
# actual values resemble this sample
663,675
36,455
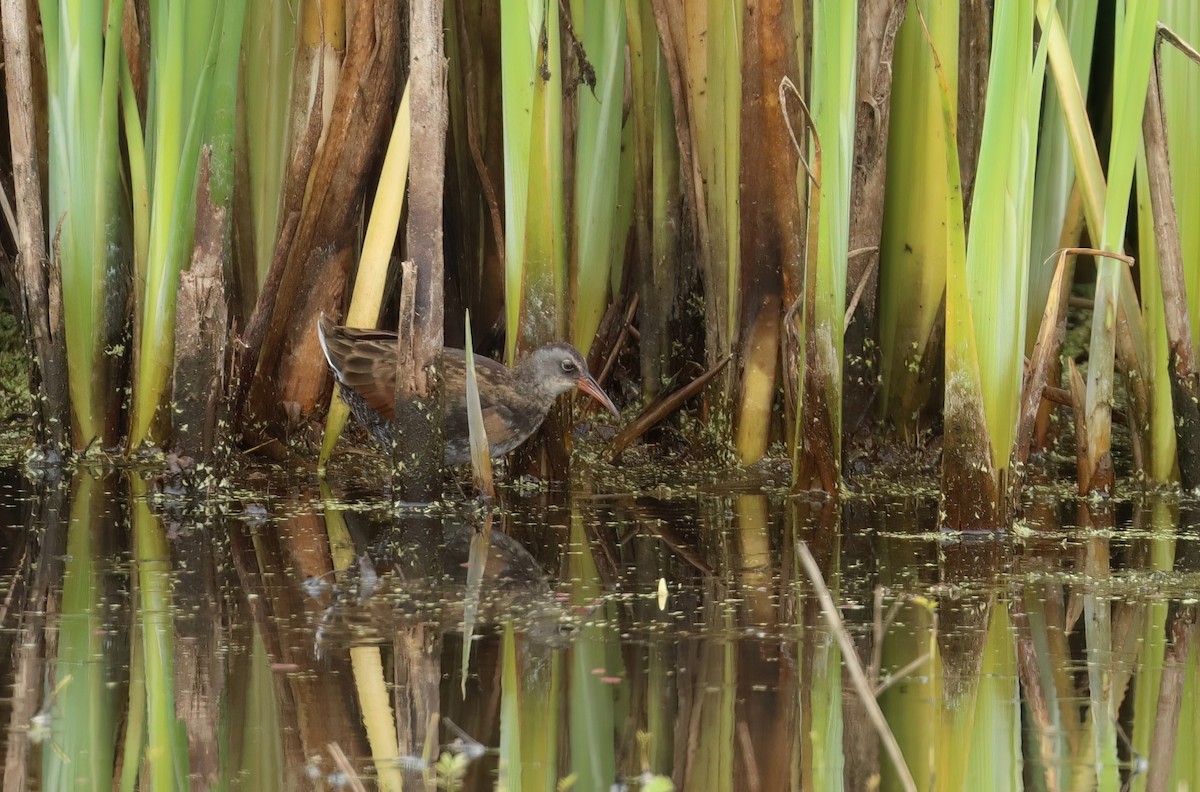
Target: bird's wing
494,379
456,367
365,361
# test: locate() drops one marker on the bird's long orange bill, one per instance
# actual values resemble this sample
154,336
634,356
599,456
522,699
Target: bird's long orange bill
588,385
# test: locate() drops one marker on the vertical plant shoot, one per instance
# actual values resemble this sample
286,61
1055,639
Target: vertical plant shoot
601,31
1131,67
987,277
912,271
534,215
190,43
1055,173
88,221
268,52
834,62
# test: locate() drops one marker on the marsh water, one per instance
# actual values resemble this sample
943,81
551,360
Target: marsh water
274,632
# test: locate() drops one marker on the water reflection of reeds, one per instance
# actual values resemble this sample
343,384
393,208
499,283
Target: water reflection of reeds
158,642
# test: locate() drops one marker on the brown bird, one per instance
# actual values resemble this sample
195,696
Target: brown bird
515,401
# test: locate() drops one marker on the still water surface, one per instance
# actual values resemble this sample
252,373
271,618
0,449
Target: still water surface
277,635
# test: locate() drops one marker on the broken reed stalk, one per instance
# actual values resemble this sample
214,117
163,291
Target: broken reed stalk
1062,397
1168,245
325,188
862,685
1170,699
428,118
40,301
201,327
417,440
877,47
879,25
420,407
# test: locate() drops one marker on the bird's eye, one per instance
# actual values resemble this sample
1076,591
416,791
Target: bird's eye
568,366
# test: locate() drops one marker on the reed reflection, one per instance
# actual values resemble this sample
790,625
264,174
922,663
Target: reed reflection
306,641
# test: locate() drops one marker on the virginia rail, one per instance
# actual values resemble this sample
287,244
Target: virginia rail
515,401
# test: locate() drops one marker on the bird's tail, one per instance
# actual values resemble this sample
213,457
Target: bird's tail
325,329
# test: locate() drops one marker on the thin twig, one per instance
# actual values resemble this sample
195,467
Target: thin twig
881,628
9,217
1084,303
662,408
850,657
862,282
812,237
1062,396
1165,33
343,764
753,780
785,85
873,670
792,350
1085,251
900,674
429,754
12,587
592,406
620,343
